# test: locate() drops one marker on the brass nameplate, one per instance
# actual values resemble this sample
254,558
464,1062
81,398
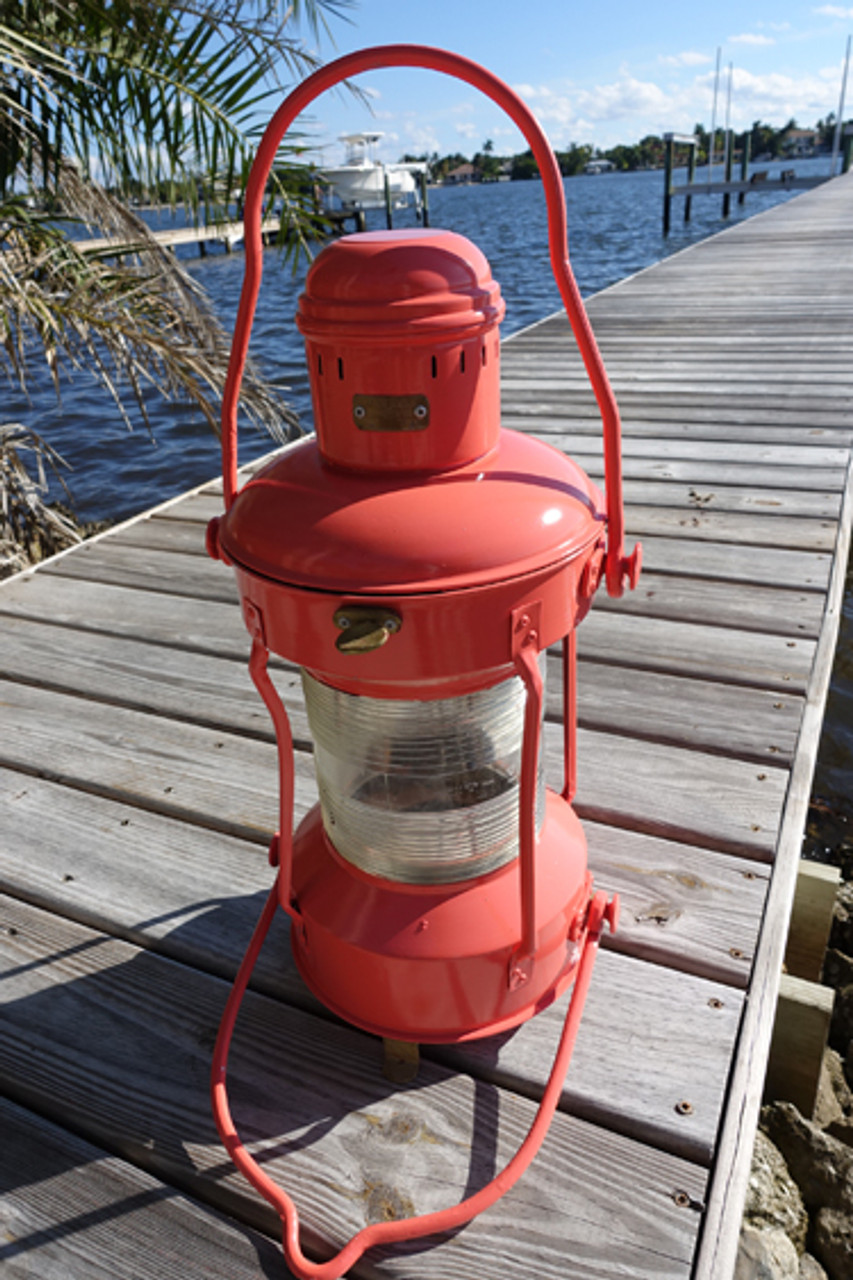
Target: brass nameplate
390,413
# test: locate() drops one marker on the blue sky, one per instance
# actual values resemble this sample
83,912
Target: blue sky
601,73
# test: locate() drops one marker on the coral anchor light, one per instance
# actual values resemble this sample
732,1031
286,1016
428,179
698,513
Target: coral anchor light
416,561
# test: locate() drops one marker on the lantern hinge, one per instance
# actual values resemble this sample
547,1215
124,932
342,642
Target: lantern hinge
519,972
526,627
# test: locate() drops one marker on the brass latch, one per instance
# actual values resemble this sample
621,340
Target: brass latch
364,628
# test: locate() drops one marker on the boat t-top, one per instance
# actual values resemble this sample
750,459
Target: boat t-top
359,183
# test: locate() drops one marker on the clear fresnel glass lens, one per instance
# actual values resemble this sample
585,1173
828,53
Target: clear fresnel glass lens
421,792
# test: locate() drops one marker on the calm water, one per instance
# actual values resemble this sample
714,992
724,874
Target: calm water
614,230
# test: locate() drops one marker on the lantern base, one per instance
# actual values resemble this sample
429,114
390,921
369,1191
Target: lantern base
432,963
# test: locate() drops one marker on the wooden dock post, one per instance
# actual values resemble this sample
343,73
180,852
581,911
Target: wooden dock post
848,148
671,140
811,919
691,178
669,152
389,215
727,195
745,149
424,185
803,1014
804,1007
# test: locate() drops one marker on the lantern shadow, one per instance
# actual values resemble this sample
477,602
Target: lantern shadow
119,1044
104,1056
305,1083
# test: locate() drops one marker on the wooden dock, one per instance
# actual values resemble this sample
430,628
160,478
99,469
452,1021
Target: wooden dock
138,778
227,234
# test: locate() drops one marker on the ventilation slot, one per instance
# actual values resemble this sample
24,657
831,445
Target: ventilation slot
340,369
434,367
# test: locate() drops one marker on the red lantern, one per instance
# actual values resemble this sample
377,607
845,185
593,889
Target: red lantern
416,561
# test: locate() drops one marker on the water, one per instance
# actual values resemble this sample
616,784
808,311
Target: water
614,231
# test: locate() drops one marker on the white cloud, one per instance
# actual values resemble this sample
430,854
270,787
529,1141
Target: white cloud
834,11
467,129
687,59
751,37
422,140
777,97
625,97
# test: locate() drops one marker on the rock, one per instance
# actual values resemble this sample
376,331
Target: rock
773,1198
810,1269
841,1026
841,934
837,969
843,1092
821,1166
765,1255
834,1102
833,1243
827,1108
842,1130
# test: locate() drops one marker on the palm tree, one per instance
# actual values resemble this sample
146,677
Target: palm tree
101,100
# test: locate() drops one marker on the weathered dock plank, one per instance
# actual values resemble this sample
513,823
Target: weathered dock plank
72,1210
138,790
357,1152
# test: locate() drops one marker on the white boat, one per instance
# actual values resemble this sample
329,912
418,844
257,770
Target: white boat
359,183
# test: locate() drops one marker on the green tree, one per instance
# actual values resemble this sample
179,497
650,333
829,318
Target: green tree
572,161
487,164
524,166
102,100
441,167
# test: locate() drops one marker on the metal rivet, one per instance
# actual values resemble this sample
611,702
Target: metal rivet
735,953
682,1199
715,1003
684,1108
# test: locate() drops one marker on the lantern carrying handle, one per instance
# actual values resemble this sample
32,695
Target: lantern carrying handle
620,570
599,911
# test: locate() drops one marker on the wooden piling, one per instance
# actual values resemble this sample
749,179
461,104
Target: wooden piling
811,919
389,213
670,141
745,149
669,152
424,185
727,195
691,178
800,1032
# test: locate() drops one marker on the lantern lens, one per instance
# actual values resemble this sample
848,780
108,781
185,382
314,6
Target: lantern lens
421,792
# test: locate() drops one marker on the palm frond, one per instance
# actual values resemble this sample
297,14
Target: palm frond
29,528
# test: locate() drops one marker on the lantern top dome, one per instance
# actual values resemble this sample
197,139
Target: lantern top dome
399,282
